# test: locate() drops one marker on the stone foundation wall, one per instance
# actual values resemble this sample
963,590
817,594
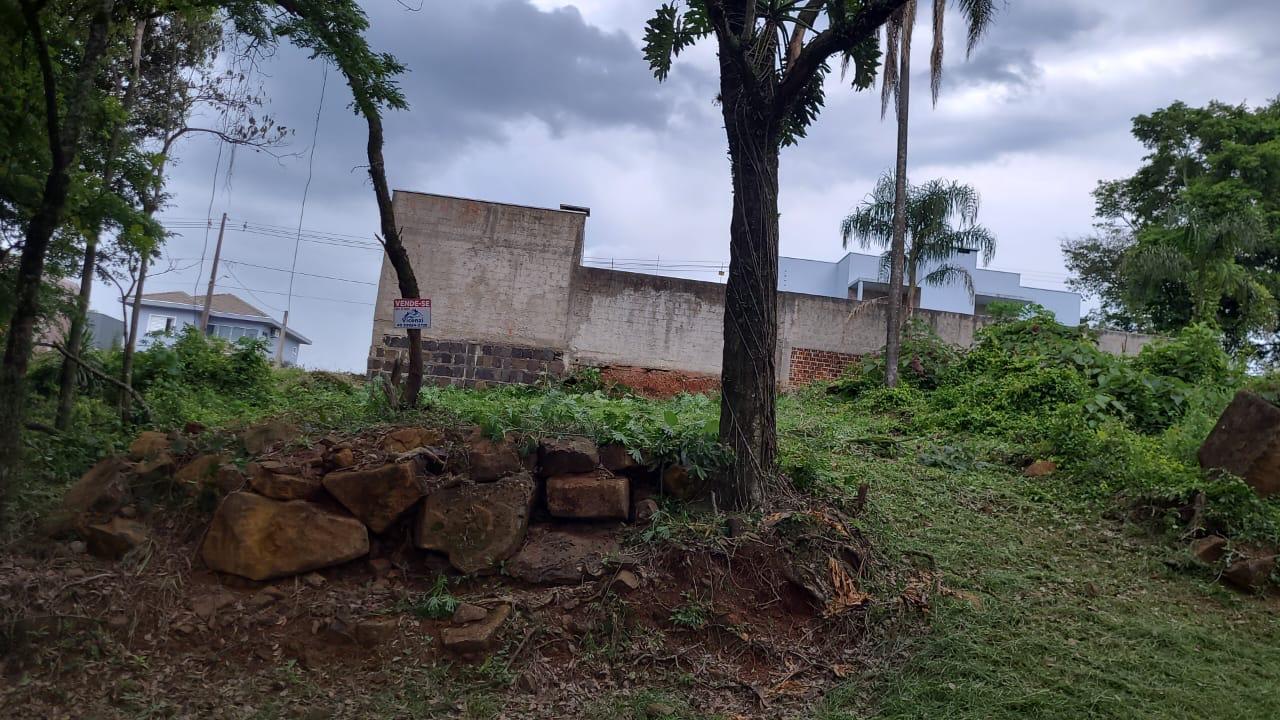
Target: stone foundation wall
469,363
808,365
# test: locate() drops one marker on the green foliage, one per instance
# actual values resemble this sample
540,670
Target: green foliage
692,614
435,604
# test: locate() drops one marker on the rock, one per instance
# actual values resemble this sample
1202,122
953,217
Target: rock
596,495
1040,468
193,428
111,540
492,459
645,509
148,444
559,557
259,438
381,567
477,525
203,470
79,547
737,526
658,711
206,607
566,456
158,470
678,482
406,439
281,487
616,458
1209,549
101,490
1246,442
477,636
128,511
378,496
1251,573
377,631
314,580
258,538
344,458
228,479
628,579
468,613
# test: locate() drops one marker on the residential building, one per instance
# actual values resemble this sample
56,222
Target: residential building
163,315
105,332
857,277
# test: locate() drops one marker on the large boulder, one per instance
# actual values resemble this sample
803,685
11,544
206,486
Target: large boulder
103,489
1246,442
377,496
112,539
566,456
259,538
1250,573
477,525
492,459
149,443
281,486
559,557
593,495
203,470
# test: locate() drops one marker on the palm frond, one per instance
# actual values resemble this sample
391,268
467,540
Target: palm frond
945,275
889,76
935,57
979,14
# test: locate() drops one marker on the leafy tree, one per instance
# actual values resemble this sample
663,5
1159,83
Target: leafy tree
771,89
896,82
1210,182
932,239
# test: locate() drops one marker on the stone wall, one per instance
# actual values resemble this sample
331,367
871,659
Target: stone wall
512,302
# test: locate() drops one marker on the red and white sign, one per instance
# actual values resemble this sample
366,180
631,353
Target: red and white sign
412,313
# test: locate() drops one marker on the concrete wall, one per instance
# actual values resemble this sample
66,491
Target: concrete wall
511,301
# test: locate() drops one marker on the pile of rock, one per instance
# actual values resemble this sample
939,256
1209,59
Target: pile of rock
474,509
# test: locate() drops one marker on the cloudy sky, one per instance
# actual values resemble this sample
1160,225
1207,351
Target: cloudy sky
542,102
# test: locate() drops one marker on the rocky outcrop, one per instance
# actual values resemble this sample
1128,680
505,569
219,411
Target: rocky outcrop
203,470
377,496
406,439
566,456
478,525
595,495
1246,442
259,438
149,443
259,538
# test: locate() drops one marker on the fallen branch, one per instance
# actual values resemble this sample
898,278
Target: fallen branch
100,375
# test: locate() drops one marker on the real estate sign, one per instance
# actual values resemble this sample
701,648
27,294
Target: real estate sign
412,313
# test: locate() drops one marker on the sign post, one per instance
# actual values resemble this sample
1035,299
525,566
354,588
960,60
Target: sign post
412,313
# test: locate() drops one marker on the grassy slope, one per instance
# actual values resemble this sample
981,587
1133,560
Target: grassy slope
1077,616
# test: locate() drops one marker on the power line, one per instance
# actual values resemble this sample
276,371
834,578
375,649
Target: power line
287,270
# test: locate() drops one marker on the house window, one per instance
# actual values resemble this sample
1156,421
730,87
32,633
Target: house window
233,333
161,323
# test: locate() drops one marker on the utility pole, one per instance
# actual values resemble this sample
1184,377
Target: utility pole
213,274
284,331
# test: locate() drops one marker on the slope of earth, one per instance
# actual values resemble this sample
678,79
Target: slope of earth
1056,610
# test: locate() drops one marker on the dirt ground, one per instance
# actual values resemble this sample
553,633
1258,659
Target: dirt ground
659,383
729,619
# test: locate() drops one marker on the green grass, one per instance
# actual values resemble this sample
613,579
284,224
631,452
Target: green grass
1075,616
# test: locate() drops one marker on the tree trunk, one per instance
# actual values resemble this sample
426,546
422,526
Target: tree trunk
126,360
75,336
893,331
912,267
749,374
399,257
64,142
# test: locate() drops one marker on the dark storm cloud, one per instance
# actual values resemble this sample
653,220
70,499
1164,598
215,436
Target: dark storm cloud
992,64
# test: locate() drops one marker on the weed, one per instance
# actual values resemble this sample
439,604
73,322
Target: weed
693,614
435,604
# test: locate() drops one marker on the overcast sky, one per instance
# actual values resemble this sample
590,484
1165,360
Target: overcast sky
542,102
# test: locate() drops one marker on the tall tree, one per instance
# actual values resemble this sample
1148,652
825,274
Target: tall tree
941,221
896,83
64,110
771,89
1211,178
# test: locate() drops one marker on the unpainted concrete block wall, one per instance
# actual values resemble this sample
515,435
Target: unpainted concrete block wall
512,303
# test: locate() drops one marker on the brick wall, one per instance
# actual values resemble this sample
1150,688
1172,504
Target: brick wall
473,364
808,365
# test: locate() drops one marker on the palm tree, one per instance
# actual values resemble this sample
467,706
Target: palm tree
897,82
941,220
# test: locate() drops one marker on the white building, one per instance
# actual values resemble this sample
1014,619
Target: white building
857,276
